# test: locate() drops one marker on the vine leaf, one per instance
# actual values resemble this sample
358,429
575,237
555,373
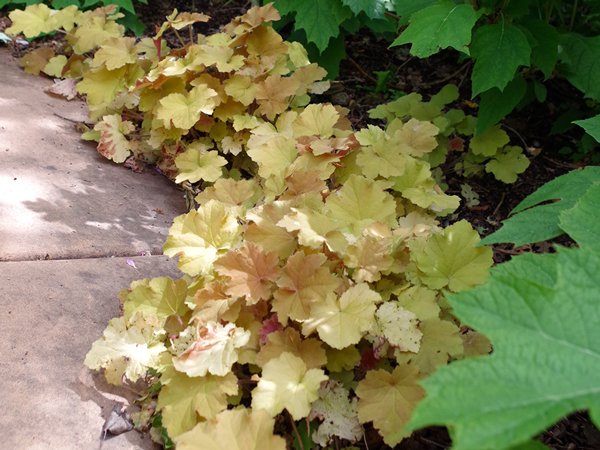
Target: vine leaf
545,355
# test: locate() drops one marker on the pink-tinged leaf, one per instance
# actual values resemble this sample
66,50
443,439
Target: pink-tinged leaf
269,326
131,263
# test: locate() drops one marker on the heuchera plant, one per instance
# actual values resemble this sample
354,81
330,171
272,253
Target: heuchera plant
472,154
314,268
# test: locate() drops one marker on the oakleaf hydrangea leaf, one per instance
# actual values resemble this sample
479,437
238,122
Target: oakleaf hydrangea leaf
126,352
286,383
388,399
532,221
545,357
582,221
338,414
450,258
253,431
213,350
591,126
184,399
439,26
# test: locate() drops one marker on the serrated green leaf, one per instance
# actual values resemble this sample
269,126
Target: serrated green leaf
60,4
405,8
591,126
532,223
499,50
320,20
582,221
544,48
494,104
545,360
437,27
375,9
581,57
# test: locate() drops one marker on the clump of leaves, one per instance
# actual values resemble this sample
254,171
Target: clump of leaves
129,17
315,267
158,104
473,154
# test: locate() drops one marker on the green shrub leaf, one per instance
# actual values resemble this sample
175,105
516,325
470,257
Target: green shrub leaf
545,360
581,56
535,222
439,26
582,222
320,20
499,50
544,48
496,104
374,9
591,126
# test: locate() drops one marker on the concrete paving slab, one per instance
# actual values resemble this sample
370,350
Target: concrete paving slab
59,199
51,312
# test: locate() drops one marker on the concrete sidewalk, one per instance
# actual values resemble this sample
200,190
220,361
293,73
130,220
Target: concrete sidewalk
69,222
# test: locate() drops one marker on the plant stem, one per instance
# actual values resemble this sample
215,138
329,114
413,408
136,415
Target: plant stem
296,432
179,37
573,13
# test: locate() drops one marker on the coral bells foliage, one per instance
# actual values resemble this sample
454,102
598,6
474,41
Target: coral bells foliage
314,267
